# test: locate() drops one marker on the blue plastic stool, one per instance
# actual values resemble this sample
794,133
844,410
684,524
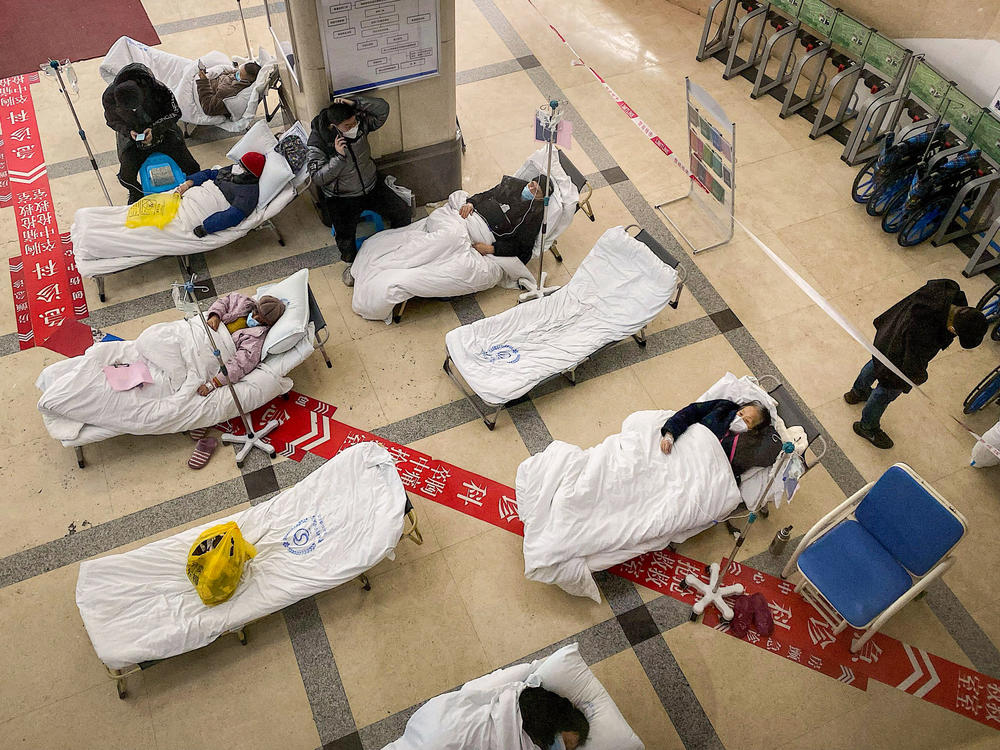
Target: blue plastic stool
159,173
374,218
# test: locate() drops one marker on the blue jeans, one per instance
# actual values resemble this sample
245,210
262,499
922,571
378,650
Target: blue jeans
878,399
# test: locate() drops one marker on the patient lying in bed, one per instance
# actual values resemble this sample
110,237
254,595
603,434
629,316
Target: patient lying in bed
239,185
248,320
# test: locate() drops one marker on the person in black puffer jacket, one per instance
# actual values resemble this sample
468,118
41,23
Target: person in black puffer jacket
340,162
137,105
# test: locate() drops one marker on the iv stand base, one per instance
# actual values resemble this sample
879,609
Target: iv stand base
533,290
249,442
712,593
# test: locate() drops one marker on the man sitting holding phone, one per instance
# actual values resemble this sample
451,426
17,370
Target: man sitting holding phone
144,114
214,90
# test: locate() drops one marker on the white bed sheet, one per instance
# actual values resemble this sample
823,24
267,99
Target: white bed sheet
587,510
332,526
179,74
78,408
102,244
433,257
618,289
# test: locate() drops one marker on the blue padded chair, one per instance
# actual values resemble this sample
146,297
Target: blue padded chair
877,551
159,173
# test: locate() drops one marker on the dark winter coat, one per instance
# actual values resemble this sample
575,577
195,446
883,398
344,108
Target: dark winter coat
159,110
241,190
753,448
354,173
914,330
515,229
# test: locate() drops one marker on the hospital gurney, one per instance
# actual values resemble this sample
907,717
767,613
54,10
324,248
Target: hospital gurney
139,607
567,198
622,284
179,75
103,245
63,382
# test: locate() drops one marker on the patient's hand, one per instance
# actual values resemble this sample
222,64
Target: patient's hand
667,443
183,187
483,248
204,390
466,211
213,322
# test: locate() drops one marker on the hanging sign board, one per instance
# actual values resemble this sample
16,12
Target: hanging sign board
372,43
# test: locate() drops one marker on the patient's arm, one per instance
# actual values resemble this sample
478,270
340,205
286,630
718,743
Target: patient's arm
687,416
244,361
223,220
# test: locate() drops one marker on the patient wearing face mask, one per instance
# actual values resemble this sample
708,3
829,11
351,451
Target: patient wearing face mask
239,185
513,211
248,321
551,721
742,430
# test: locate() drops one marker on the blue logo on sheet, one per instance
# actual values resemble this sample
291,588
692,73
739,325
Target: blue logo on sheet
504,354
303,537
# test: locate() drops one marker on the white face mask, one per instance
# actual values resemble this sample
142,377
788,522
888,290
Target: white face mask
352,133
738,425
238,169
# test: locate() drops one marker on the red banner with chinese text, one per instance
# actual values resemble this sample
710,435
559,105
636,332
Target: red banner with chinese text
52,286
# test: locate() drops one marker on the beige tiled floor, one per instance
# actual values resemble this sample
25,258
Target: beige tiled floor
459,605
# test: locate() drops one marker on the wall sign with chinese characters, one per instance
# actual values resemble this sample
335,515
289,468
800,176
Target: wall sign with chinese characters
48,289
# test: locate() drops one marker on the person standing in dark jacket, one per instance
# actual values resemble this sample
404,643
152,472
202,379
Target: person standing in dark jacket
340,162
144,114
740,428
910,334
513,211
239,184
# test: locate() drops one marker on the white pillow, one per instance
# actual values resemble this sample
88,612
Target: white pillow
258,138
275,176
237,103
566,673
294,322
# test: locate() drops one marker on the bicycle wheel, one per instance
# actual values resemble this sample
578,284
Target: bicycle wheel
864,182
895,213
885,192
987,390
918,226
990,307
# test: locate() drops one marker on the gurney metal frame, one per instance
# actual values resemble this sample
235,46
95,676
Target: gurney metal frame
319,327
492,412
412,533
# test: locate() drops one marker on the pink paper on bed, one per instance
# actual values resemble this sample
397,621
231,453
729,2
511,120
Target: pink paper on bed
127,376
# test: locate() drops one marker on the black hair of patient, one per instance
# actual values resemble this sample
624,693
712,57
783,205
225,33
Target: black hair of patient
544,713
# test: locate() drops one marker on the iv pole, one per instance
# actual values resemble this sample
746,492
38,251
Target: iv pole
538,289
250,439
244,24
56,67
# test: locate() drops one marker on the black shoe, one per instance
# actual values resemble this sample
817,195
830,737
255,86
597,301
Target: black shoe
853,398
876,437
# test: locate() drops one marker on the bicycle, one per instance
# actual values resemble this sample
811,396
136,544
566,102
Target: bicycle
989,305
987,390
917,213
881,177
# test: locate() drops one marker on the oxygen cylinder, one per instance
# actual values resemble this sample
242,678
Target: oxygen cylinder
780,540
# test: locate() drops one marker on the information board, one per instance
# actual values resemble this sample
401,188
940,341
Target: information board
371,43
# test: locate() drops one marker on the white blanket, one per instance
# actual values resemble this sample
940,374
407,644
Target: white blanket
75,392
619,288
102,244
587,510
329,528
433,257
179,74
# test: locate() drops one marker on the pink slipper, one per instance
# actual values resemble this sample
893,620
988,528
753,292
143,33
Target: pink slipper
202,453
199,433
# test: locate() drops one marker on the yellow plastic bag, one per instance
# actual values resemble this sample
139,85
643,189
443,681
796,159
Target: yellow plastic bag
156,210
215,562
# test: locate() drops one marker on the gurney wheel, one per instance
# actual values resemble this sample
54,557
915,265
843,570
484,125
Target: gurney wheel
694,616
122,692
683,585
103,297
708,570
242,636
281,242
